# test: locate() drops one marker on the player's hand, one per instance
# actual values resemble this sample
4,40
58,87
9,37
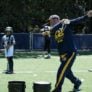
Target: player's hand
46,33
65,21
42,30
7,46
89,14
43,33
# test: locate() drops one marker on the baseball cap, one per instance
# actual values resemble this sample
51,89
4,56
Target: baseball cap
54,16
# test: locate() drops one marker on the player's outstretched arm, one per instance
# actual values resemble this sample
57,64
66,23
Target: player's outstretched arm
82,18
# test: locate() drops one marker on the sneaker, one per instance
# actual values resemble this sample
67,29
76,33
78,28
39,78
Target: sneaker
48,57
76,86
9,72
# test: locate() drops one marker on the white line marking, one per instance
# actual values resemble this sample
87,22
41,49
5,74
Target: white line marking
50,71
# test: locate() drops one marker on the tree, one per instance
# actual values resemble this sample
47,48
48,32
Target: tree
20,14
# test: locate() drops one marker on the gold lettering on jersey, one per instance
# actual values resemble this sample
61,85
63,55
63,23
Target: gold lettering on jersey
59,35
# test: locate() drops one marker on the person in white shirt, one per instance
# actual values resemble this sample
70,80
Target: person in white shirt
8,42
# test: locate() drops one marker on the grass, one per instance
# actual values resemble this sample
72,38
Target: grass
40,69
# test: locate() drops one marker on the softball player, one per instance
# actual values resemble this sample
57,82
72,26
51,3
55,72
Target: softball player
8,42
62,33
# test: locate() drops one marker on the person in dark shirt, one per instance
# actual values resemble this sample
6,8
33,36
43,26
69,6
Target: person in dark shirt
47,41
61,31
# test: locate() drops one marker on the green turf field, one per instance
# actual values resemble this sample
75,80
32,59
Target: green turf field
40,69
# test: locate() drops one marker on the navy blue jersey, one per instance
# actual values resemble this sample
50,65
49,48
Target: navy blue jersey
64,37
